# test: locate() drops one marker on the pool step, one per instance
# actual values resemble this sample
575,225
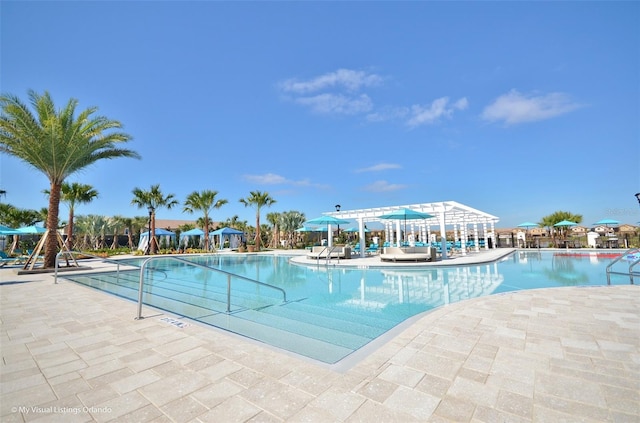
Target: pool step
295,326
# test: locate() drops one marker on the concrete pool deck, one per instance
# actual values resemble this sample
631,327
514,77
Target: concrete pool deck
74,354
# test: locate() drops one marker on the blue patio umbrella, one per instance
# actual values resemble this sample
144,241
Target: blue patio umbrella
566,223
327,220
527,225
607,222
5,230
405,214
354,229
32,229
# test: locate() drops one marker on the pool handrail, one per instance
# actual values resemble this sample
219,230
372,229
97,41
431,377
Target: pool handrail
71,253
631,266
189,262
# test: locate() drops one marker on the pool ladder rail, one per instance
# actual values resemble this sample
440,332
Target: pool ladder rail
202,266
191,263
632,254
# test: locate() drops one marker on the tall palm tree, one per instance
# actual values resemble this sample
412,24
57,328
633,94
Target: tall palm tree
72,194
257,200
203,201
58,143
152,200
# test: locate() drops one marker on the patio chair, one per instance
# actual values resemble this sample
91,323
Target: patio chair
373,249
5,259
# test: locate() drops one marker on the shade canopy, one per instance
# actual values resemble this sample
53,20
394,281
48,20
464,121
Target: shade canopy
192,232
327,220
527,225
354,229
566,223
310,229
607,222
406,214
32,230
5,230
226,231
158,232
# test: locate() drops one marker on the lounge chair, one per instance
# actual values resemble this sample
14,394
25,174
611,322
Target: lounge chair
5,259
373,249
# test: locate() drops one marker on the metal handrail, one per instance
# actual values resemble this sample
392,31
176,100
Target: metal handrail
629,251
229,275
329,250
71,253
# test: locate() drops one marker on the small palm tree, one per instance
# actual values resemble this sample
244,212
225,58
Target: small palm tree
152,200
57,143
257,200
274,219
203,201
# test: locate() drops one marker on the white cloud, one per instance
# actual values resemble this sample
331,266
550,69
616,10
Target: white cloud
337,103
348,79
379,167
439,108
383,186
274,179
513,108
266,179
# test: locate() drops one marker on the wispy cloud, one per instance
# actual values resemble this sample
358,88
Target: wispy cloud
275,179
383,186
337,93
438,109
341,93
514,108
379,167
419,115
337,103
348,79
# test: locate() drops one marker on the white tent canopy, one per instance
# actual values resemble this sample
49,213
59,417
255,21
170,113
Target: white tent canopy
445,213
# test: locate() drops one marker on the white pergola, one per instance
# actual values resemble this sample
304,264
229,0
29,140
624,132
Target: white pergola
445,214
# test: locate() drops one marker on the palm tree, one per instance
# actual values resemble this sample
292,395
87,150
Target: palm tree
72,194
257,200
152,200
556,217
58,143
289,222
274,218
203,201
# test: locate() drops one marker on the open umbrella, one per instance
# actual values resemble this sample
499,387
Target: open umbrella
5,230
32,230
327,220
566,223
405,214
354,229
607,222
527,225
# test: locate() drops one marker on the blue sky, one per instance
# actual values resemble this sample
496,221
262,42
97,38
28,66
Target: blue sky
519,109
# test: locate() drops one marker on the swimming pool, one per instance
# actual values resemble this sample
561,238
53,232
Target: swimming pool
332,312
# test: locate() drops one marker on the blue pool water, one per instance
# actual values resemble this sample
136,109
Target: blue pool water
331,312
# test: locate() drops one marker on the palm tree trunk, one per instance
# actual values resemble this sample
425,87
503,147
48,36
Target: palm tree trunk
258,230
152,236
51,247
206,233
69,241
